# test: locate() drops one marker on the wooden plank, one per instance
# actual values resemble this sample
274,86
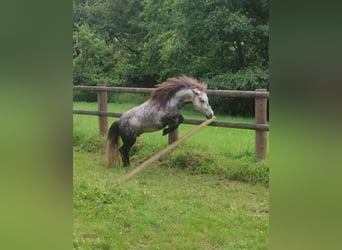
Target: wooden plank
166,150
226,124
230,124
113,89
237,93
226,93
94,112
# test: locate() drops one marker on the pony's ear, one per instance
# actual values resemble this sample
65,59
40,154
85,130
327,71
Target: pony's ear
196,91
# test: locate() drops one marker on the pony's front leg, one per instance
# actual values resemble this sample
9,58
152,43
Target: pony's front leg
173,123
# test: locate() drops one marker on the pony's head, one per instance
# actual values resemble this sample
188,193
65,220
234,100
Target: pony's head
195,91
201,103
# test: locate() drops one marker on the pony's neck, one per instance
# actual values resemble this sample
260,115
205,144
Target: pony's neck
181,98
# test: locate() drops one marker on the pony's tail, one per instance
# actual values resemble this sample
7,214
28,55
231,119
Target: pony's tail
112,146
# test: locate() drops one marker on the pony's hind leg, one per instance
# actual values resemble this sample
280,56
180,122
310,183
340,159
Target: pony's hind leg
128,142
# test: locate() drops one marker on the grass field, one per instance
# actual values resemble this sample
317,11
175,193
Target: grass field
209,193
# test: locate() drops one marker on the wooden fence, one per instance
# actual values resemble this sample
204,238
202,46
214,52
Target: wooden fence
260,126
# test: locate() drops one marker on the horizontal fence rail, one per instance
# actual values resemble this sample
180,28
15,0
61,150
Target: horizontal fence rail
241,125
226,93
260,95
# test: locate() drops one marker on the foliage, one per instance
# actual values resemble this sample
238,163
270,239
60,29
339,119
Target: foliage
133,42
246,79
93,64
133,98
82,96
250,78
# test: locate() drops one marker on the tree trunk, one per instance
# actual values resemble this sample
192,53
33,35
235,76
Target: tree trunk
240,52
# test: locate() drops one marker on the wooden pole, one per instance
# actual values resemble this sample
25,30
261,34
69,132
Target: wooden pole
173,136
223,124
260,118
216,92
102,106
166,150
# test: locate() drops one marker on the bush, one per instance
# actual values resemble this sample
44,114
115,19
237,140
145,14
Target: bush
198,161
246,171
127,98
193,160
82,96
246,79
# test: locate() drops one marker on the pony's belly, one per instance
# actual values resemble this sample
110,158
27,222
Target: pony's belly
150,128
141,119
142,126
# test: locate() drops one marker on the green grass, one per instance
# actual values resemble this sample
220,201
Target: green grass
164,208
209,193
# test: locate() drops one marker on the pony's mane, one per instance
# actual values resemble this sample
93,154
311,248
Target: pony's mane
164,91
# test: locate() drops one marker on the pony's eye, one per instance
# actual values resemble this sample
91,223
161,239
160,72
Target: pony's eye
201,100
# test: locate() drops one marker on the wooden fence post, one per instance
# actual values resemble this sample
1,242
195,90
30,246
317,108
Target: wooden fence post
173,136
260,118
102,106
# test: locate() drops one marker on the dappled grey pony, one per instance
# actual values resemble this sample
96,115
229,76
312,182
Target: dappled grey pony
160,110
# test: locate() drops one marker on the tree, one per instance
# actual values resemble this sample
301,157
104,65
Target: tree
148,41
94,63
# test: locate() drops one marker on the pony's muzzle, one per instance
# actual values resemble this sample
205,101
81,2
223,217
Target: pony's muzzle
209,114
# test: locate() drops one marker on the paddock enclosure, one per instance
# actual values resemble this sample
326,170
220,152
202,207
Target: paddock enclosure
208,194
260,126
